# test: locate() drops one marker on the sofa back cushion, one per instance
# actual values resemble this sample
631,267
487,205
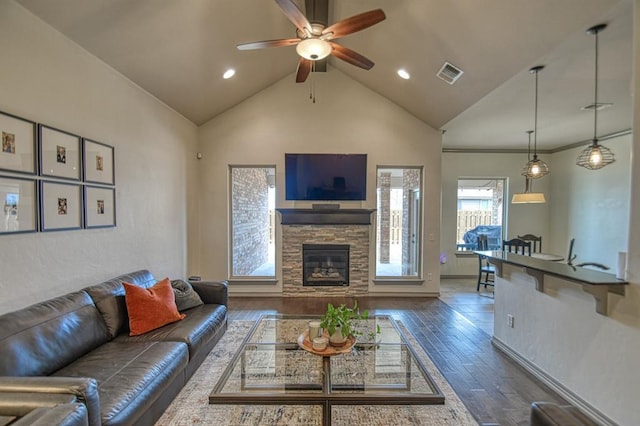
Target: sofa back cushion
110,301
42,338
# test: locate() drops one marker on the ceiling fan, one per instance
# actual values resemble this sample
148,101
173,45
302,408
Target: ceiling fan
314,41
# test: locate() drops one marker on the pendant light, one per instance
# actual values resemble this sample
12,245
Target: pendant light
535,168
528,197
595,156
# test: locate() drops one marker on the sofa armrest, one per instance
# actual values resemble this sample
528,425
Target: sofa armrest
73,414
85,390
211,291
18,404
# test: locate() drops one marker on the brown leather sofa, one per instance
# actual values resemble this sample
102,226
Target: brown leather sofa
32,409
551,414
77,347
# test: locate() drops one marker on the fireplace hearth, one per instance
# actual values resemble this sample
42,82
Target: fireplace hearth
325,264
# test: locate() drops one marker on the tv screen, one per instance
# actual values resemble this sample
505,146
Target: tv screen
326,177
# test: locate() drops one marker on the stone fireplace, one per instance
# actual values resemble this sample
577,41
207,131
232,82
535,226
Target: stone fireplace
319,227
325,264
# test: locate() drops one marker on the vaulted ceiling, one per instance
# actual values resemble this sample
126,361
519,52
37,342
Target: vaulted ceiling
178,51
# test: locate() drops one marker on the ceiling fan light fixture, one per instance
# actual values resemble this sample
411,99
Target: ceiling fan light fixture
314,49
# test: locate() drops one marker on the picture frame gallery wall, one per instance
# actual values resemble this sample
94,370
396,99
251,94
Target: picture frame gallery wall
53,180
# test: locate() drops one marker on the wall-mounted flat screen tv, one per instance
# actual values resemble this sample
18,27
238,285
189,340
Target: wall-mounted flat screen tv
326,177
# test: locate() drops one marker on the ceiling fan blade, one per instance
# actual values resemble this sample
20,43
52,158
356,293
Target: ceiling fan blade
295,15
350,56
355,23
304,68
268,43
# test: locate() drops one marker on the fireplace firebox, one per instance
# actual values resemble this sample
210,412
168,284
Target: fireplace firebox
325,264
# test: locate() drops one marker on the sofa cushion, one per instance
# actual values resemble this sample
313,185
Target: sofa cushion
131,376
42,338
186,297
109,299
150,308
199,326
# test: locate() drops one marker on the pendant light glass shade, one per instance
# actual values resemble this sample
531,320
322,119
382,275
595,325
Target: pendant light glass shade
595,156
535,168
528,197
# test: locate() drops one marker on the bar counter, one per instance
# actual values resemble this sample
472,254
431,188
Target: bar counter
596,283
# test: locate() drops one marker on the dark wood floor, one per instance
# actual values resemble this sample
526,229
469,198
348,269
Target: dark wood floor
494,388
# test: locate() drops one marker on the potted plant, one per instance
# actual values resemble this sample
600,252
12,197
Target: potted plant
338,321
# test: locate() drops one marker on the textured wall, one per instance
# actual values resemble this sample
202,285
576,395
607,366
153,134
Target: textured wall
346,118
55,82
294,236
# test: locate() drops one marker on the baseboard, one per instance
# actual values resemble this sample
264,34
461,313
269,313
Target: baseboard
459,277
558,387
255,294
431,294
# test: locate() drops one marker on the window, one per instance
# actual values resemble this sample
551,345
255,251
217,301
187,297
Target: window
480,211
399,222
252,221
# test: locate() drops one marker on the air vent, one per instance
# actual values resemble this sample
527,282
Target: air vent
449,73
598,106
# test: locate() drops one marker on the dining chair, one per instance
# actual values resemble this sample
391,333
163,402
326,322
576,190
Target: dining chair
536,242
484,267
516,245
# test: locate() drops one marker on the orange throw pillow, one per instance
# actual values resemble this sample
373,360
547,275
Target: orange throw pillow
150,308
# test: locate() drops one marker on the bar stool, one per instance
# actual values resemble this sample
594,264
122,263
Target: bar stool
484,267
517,245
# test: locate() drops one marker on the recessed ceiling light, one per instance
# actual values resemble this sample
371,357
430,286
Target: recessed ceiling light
229,73
404,74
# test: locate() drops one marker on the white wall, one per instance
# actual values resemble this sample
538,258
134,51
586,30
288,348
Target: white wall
48,79
591,206
576,200
520,219
594,357
346,118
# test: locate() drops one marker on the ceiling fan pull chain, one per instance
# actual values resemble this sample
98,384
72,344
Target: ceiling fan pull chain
312,81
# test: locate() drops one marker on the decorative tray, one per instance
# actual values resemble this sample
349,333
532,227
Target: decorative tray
305,343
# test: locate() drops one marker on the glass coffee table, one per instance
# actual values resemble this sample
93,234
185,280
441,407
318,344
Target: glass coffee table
270,368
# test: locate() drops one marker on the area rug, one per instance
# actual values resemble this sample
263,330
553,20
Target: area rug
191,406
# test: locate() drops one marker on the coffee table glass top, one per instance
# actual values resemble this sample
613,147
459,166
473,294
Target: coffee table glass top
270,368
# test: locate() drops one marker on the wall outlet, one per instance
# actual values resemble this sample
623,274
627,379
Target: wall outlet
510,320
429,276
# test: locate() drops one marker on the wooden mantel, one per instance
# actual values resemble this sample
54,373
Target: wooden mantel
325,216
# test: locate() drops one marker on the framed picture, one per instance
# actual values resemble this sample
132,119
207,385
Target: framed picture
19,200
98,162
99,207
60,206
18,153
59,153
